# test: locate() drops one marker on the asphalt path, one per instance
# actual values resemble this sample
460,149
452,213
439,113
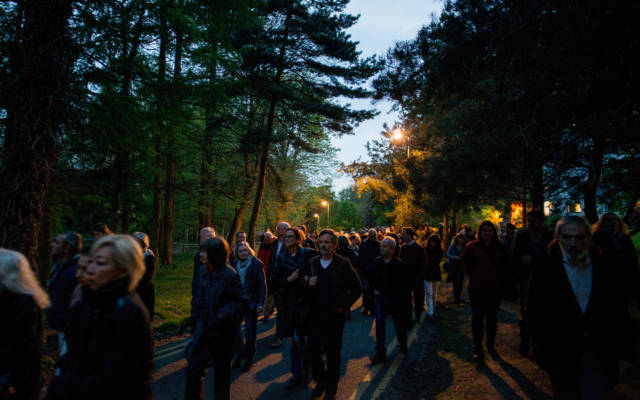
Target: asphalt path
270,372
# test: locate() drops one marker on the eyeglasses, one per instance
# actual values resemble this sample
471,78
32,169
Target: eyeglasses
289,237
576,237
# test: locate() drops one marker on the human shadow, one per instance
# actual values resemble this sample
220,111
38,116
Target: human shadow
499,384
525,384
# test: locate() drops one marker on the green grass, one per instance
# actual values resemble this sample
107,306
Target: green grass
173,296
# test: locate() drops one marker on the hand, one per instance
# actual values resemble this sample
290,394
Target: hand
295,275
313,280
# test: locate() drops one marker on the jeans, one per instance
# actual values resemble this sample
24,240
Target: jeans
298,353
382,310
431,289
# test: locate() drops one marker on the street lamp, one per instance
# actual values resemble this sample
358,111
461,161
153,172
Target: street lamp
317,217
325,203
397,135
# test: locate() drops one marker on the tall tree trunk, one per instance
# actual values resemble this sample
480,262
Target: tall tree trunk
238,216
45,238
204,196
537,187
161,107
590,188
166,255
264,159
35,105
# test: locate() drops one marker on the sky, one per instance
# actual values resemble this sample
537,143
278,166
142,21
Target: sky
381,24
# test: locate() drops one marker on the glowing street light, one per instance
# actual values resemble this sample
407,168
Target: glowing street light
397,135
325,203
317,217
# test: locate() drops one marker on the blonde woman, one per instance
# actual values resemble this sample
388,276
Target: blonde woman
110,345
21,299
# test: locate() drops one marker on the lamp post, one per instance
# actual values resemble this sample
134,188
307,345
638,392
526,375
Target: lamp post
317,217
325,203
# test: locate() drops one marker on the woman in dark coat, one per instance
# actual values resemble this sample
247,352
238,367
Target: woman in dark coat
21,299
145,288
485,261
216,308
254,284
344,249
291,287
110,344
433,248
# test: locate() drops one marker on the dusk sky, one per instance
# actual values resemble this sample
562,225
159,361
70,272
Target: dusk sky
381,24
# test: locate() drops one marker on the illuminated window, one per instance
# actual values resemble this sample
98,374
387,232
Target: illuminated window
548,206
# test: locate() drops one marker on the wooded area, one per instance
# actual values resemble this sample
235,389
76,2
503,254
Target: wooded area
169,115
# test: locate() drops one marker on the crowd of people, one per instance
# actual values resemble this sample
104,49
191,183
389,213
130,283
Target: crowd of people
573,285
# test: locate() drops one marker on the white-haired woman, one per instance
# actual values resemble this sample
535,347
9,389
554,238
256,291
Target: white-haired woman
21,299
110,345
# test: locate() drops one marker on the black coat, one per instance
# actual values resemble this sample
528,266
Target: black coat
416,258
145,288
110,347
291,295
216,307
523,245
561,332
20,343
434,256
61,285
393,280
255,284
369,250
626,262
350,255
344,281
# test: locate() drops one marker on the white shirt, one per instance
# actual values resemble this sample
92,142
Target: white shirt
325,263
581,280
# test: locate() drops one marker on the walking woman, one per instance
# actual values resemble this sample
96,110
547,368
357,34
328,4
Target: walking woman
484,260
254,284
453,267
21,299
291,287
433,248
110,344
216,308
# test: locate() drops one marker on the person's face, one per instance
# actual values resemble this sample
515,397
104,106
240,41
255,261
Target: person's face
102,269
81,273
386,248
97,235
486,234
58,246
290,239
406,237
280,229
510,231
243,253
267,238
573,240
433,244
241,237
203,257
326,246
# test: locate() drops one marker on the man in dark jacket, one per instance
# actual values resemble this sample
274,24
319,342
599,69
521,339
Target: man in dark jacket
333,288
529,253
392,288
581,329
277,248
369,251
65,251
216,308
414,255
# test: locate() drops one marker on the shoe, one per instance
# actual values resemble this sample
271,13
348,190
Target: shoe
237,363
276,343
318,390
403,348
379,358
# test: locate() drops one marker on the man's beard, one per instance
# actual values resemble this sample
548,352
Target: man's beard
577,258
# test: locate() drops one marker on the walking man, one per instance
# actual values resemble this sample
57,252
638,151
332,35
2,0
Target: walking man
414,255
333,288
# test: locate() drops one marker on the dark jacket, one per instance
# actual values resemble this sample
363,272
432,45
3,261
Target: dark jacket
350,255
416,258
20,343
487,268
369,250
291,295
523,245
197,264
344,285
110,347
622,250
393,280
273,266
434,256
217,306
255,284
145,288
561,332
61,284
